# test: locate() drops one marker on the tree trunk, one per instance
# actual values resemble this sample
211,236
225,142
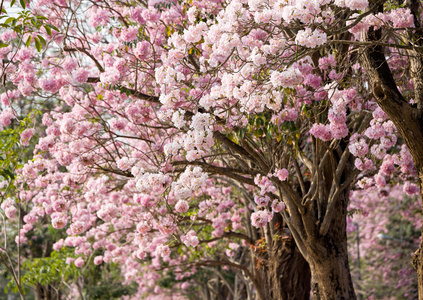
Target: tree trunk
417,260
330,271
291,273
286,275
331,279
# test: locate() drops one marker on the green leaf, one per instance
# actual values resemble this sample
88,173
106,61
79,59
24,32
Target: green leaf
23,3
42,40
48,30
38,44
53,27
28,41
3,45
8,20
259,121
258,133
12,3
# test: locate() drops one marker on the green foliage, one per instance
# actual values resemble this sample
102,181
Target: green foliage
104,282
168,280
45,271
12,155
26,23
163,5
9,158
261,127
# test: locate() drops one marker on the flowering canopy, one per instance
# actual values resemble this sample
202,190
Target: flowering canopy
183,123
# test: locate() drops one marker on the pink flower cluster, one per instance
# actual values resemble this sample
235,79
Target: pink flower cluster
311,39
261,218
264,184
9,208
281,174
190,239
26,135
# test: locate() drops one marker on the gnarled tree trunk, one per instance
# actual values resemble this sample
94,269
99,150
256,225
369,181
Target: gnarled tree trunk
330,272
286,275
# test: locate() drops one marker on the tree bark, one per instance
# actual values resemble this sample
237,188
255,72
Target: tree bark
323,241
417,260
286,275
331,278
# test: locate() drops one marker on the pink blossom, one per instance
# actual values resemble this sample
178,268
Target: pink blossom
339,130
163,250
261,218
288,78
261,201
359,148
265,184
69,64
190,239
402,18
277,206
380,180
363,164
182,206
30,218
25,54
142,50
81,75
98,260
98,17
59,222
58,245
281,174
6,117
49,84
79,262
387,167
10,212
129,34
185,285
321,131
77,227
143,227
410,188
365,183
125,163
375,131
355,4
311,39
26,136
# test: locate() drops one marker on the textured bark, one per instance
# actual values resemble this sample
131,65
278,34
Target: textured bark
330,272
323,242
329,280
286,276
417,260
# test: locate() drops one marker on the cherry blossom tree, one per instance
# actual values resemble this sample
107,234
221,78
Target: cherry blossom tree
185,131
